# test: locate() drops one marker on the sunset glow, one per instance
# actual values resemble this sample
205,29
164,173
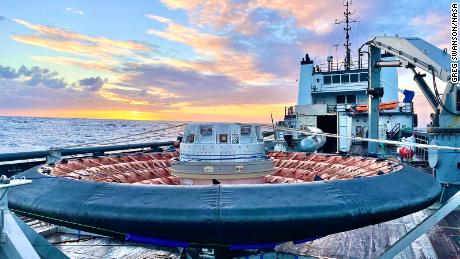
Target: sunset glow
183,60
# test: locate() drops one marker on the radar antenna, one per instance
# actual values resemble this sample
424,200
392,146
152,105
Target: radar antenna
347,29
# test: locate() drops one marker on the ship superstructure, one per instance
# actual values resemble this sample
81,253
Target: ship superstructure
333,97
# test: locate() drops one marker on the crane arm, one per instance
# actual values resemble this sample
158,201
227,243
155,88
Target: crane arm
415,52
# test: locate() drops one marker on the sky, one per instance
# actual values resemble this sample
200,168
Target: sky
217,60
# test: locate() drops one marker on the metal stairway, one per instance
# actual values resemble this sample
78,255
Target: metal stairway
393,134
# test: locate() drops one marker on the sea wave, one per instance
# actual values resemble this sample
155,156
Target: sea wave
19,134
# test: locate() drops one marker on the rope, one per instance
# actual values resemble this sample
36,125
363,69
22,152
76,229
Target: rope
420,145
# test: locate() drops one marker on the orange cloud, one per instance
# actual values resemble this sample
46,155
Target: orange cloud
249,113
436,23
88,64
218,56
88,113
76,43
155,101
313,15
180,4
118,98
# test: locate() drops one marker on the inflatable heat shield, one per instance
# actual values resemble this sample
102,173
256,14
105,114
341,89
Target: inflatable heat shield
161,211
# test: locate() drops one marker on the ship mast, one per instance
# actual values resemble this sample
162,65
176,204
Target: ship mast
347,21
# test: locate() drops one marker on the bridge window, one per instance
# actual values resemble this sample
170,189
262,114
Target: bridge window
327,80
354,78
351,98
336,79
363,77
345,78
340,98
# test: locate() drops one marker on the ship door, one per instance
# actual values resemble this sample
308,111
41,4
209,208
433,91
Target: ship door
328,124
344,129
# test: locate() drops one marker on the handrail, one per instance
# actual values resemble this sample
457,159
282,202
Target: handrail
7,157
394,131
396,127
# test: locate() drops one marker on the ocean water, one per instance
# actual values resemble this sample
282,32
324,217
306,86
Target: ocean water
30,134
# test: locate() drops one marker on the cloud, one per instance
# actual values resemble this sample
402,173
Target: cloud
217,55
8,72
76,43
160,19
309,24
84,63
74,10
197,89
180,4
315,16
93,84
37,76
223,55
435,24
34,76
428,19
18,95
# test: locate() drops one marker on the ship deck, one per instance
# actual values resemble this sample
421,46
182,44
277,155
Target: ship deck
442,241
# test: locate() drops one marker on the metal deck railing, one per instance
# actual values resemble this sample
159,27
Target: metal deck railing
12,163
340,65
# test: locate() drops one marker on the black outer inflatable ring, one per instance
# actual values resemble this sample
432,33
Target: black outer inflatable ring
224,215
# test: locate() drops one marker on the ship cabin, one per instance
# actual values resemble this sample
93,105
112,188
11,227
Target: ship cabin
333,97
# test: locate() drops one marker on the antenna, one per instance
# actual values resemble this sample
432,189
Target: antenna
336,46
347,29
273,125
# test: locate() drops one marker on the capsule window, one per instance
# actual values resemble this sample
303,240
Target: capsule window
206,129
363,77
191,138
223,138
345,78
327,80
245,130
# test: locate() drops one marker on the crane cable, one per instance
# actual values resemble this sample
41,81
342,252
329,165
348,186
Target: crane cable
437,95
